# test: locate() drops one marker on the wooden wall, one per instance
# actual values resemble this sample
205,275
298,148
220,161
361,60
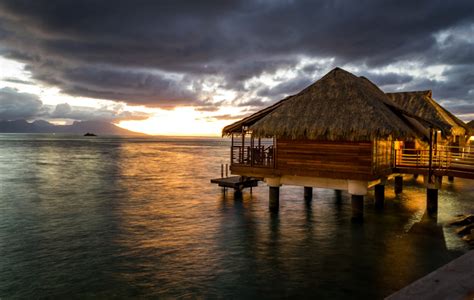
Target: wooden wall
348,160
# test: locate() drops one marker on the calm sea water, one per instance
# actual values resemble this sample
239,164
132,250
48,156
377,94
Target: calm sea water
126,218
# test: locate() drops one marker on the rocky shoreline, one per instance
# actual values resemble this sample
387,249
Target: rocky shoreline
465,224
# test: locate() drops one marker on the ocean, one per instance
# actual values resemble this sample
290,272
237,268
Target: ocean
118,217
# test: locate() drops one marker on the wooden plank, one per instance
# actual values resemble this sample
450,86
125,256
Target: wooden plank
236,182
298,157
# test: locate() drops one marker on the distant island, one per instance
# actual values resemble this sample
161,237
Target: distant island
78,127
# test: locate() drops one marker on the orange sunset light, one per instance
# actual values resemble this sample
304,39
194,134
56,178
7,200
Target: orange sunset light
178,122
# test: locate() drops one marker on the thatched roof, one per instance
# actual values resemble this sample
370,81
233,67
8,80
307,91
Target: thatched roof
423,105
339,106
470,124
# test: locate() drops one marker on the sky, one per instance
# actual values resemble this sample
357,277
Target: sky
191,67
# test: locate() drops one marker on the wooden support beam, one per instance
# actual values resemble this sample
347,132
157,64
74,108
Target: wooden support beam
308,193
379,193
432,202
398,184
274,198
357,202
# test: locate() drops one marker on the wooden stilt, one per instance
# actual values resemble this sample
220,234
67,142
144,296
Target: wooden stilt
379,193
357,202
432,202
308,193
398,184
274,198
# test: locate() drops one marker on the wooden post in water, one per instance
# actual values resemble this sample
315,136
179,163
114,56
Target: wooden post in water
226,170
398,184
379,193
430,161
308,193
274,198
357,202
338,196
432,184
432,202
237,194
222,170
432,195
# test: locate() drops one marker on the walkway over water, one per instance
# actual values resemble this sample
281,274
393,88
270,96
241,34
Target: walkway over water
445,161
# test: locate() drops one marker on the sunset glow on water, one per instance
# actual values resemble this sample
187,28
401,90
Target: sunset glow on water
138,218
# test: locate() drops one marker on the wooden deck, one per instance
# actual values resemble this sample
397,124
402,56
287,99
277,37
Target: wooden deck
445,161
354,161
236,182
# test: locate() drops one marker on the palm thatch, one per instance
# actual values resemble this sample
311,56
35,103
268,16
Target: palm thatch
338,107
423,105
470,124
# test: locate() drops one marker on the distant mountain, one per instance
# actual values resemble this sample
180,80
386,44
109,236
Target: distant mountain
78,127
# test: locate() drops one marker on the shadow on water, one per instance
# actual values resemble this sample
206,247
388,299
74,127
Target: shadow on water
392,248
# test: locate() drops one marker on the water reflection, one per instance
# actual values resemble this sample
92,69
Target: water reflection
138,218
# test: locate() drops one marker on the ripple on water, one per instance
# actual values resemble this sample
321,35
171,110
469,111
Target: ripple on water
137,217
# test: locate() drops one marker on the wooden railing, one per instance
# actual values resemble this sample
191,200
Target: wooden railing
443,157
260,156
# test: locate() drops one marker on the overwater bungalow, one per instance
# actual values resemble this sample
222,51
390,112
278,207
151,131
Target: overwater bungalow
450,142
421,104
340,133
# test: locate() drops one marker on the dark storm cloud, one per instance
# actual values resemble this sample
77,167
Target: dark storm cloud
286,88
253,103
16,105
388,78
135,87
457,84
126,50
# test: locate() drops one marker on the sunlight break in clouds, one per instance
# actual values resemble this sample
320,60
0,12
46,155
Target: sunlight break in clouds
184,121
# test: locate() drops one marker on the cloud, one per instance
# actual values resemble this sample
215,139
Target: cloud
16,80
134,87
65,111
226,117
16,105
389,78
166,53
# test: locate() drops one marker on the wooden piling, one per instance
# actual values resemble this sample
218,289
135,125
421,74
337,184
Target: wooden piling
398,184
379,193
238,193
274,198
308,193
338,196
432,202
357,202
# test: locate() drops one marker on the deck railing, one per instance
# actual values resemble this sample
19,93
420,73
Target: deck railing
443,157
260,156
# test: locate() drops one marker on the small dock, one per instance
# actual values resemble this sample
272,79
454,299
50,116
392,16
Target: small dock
238,183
